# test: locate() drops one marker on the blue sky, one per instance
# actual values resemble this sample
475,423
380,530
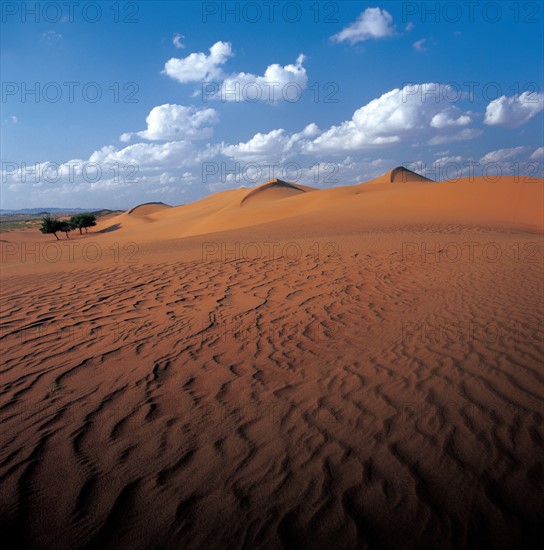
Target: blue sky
348,90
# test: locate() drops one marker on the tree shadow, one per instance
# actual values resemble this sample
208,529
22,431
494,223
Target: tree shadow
111,228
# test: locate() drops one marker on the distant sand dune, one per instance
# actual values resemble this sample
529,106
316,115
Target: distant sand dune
385,201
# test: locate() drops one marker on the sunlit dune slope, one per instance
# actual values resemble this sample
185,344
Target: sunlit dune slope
147,212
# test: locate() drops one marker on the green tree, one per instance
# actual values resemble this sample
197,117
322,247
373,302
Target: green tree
77,222
50,226
65,227
83,221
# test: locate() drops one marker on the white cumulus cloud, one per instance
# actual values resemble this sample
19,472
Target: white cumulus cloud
198,67
177,122
514,111
272,86
371,24
398,114
450,117
259,147
274,146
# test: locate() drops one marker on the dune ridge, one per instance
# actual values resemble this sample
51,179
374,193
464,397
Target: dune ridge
148,208
275,189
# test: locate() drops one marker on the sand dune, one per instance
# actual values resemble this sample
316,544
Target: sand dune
356,367
383,202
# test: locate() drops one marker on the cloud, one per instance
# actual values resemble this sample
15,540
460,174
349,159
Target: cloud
198,67
13,119
177,41
274,85
259,147
514,111
177,122
463,135
395,115
274,146
115,167
447,160
409,26
50,38
450,117
371,24
278,82
151,156
501,155
318,174
419,45
516,161
537,154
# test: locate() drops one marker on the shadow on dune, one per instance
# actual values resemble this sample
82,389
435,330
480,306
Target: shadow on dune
111,228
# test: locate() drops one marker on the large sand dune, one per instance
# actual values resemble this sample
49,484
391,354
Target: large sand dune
388,202
280,367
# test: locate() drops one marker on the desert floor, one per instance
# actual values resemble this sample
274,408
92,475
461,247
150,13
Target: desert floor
359,367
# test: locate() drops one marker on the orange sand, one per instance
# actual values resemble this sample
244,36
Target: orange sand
281,366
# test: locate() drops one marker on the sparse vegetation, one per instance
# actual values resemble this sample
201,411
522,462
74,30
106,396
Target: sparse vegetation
33,220
52,226
65,227
83,221
78,221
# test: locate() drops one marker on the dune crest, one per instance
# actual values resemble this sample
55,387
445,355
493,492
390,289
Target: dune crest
274,189
148,208
402,174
